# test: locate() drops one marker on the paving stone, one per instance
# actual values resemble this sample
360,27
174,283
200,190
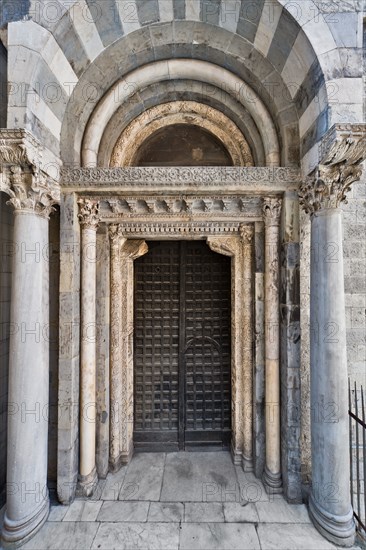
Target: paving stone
218,536
278,511
205,512
234,512
199,477
124,511
291,537
113,485
142,536
166,512
63,536
144,477
57,513
83,510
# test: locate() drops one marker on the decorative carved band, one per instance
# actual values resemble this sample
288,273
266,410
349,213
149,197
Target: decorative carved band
179,229
272,211
88,213
217,177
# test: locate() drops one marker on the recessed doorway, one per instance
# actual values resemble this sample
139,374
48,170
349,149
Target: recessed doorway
182,348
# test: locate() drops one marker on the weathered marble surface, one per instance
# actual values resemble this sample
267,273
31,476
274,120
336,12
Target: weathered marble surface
143,536
218,536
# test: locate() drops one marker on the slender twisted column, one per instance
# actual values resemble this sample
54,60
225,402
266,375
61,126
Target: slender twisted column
272,472
247,236
88,217
27,493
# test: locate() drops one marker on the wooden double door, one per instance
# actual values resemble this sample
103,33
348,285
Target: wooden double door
182,348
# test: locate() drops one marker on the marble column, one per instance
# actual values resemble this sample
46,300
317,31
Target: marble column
27,503
329,503
88,217
272,473
247,237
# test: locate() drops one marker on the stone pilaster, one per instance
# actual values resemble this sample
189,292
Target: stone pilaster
247,237
88,217
321,196
32,195
272,473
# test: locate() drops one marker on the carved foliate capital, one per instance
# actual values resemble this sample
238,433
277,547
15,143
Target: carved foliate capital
88,213
246,233
21,177
31,193
271,210
115,232
342,151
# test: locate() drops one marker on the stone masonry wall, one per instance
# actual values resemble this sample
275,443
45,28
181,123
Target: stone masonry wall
6,236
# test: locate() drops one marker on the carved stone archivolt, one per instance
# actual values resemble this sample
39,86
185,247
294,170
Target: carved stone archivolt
181,112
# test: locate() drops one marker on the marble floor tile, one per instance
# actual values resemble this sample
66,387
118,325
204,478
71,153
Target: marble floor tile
279,536
203,512
137,536
279,511
83,510
123,511
162,512
63,536
199,477
113,484
218,536
57,512
251,489
234,512
143,477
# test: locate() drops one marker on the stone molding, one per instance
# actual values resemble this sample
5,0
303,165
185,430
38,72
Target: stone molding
218,179
30,189
180,112
342,151
88,213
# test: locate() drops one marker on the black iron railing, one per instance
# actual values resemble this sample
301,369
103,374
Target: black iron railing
357,445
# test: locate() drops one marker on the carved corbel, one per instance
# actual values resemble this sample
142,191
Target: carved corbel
227,246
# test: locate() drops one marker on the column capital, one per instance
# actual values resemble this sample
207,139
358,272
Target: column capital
21,177
88,213
342,151
272,211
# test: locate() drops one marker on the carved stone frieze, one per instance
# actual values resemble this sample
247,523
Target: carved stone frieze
88,213
246,179
272,211
179,229
170,206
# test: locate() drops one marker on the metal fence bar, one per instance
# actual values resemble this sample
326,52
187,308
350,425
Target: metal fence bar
357,443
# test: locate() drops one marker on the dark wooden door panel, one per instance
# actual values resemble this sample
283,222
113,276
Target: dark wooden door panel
182,384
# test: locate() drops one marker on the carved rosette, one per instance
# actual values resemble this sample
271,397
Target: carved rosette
271,211
88,213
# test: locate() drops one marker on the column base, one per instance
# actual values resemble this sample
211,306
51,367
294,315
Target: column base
247,464
272,482
236,455
116,464
18,532
340,530
87,484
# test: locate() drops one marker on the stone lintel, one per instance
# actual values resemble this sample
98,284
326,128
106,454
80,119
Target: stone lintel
188,180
